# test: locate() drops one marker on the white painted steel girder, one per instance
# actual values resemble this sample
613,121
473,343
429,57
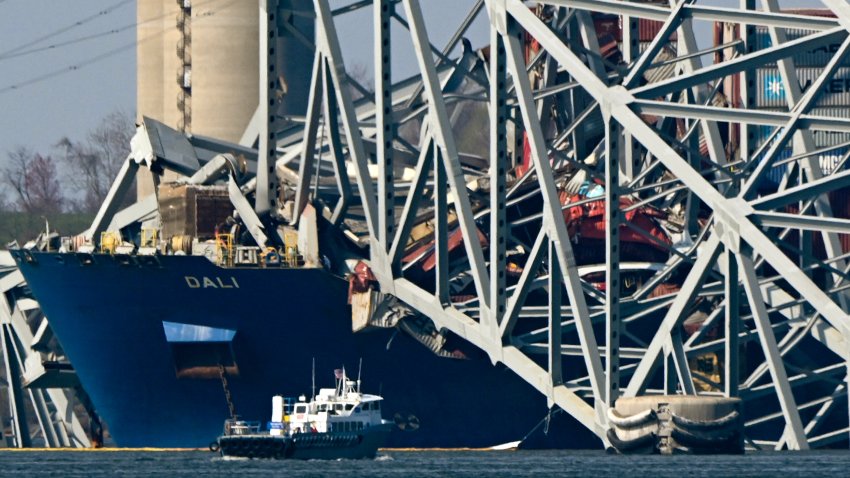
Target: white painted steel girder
58,423
546,80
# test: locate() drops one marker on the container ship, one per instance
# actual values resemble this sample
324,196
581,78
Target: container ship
152,336
149,338
165,335
185,310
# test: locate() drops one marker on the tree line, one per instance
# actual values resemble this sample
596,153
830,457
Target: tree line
72,177
61,188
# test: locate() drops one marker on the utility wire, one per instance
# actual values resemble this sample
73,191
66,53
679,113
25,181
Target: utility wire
70,68
93,36
97,58
56,46
104,12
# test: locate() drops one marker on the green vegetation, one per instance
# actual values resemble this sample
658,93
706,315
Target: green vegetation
21,226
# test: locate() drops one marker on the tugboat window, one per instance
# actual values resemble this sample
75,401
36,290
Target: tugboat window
349,406
300,409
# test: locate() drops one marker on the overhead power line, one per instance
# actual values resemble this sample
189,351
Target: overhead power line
74,41
70,68
97,58
17,52
106,11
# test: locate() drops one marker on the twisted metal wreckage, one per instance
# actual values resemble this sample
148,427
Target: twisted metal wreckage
613,240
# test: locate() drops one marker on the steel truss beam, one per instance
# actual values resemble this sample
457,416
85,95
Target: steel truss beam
564,119
58,423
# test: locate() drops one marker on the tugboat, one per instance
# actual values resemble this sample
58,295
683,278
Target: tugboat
339,423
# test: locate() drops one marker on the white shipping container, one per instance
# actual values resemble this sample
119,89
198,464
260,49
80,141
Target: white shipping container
770,90
816,57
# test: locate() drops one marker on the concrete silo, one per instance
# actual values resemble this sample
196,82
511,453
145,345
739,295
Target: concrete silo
197,67
198,64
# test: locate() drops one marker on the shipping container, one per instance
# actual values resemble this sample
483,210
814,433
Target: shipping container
662,71
771,96
828,161
822,139
192,210
818,56
610,24
770,90
815,57
725,33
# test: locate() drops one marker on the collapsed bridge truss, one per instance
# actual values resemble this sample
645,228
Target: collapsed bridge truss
746,272
632,220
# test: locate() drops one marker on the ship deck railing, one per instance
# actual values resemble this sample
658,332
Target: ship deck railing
241,427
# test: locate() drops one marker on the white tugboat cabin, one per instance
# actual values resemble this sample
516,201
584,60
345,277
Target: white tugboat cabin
340,409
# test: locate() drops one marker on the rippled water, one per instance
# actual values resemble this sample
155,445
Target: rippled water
427,463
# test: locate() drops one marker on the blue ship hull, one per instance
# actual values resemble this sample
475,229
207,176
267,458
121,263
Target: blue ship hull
108,313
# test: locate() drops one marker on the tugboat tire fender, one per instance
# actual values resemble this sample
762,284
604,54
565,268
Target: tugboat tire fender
699,440
214,446
721,422
628,445
631,421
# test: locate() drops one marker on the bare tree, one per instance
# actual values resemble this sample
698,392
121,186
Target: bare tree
360,74
34,181
93,164
4,198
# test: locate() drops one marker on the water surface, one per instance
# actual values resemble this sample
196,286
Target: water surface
426,463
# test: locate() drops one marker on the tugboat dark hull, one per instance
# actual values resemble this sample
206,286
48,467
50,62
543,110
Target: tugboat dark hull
305,446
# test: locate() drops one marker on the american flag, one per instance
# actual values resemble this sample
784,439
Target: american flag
338,373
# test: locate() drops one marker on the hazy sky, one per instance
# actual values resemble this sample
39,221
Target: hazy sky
65,84
68,89
78,83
